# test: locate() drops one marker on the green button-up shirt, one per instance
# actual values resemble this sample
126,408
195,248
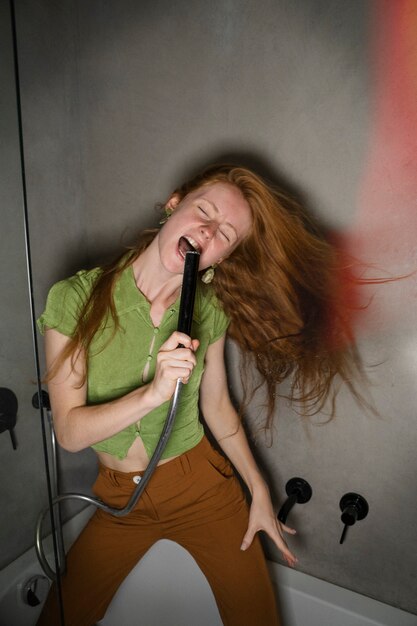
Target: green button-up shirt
126,361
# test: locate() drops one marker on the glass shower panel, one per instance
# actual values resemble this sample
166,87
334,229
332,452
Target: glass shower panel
23,488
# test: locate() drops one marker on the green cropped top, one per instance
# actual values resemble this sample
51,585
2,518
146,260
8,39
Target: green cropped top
127,361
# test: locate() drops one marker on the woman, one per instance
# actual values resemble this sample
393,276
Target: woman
113,362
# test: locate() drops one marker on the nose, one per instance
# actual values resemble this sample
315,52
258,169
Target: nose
208,230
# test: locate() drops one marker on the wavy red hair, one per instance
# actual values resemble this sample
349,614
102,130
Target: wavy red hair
279,288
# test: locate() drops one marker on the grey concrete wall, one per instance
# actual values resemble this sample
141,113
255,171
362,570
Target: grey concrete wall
121,99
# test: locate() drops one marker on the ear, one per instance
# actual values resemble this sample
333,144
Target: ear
173,202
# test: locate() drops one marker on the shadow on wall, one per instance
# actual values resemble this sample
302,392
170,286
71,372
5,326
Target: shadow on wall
107,249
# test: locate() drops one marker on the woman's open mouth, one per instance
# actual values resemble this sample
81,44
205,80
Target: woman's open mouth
187,244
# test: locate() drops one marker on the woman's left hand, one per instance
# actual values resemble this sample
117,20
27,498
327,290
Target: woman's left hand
262,517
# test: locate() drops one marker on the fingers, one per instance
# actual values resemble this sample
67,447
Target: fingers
275,533
178,363
247,539
278,538
173,363
288,556
288,529
178,338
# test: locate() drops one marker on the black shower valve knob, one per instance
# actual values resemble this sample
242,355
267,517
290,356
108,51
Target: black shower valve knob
45,400
354,507
8,413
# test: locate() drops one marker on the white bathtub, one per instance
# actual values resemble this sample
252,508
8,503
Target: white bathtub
167,589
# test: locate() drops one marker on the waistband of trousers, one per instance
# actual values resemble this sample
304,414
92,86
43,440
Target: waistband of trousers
179,465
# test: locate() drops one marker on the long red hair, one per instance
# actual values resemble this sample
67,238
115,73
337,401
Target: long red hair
279,288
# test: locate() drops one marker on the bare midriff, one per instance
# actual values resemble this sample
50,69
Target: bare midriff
136,459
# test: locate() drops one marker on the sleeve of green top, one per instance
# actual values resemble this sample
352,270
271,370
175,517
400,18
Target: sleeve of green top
64,303
220,323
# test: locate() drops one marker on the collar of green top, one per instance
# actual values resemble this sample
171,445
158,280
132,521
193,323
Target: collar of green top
127,296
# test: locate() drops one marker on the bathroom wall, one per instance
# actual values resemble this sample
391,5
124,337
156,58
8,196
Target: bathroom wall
122,99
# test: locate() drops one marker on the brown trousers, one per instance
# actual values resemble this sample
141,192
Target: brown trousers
194,500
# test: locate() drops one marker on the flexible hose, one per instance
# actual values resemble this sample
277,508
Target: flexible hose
184,325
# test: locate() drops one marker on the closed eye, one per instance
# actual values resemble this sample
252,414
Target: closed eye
224,234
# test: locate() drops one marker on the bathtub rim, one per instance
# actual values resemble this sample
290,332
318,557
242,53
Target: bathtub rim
292,585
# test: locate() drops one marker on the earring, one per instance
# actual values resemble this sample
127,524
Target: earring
168,213
208,275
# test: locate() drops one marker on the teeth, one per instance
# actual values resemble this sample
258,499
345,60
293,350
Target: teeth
186,244
193,243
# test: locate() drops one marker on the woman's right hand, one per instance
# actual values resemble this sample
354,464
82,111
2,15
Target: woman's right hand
79,425
173,362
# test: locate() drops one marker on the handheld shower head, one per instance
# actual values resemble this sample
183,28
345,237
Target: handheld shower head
189,283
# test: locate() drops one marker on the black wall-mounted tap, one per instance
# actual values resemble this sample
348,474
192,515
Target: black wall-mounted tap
298,491
8,413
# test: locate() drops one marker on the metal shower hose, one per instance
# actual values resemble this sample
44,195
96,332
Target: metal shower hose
184,325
